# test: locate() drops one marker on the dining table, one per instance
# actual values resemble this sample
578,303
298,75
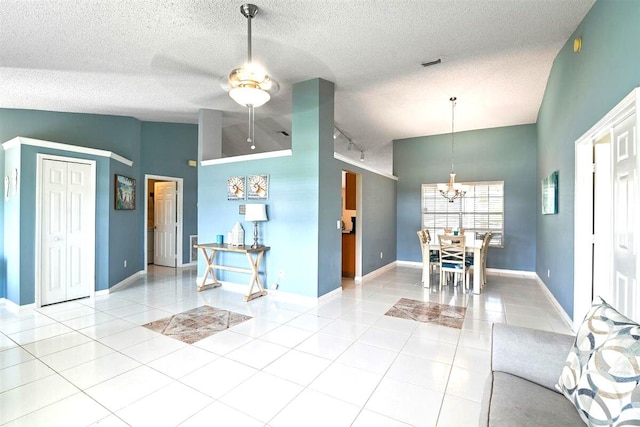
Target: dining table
471,245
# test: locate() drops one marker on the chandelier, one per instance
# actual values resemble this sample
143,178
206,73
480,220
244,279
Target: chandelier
452,190
250,84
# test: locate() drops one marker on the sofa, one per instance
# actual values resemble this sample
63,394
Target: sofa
526,364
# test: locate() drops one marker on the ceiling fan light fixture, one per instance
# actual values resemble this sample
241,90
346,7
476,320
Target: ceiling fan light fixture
250,84
249,96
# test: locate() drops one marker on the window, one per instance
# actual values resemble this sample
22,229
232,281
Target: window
480,210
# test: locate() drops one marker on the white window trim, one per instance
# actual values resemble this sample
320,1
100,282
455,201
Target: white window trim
497,241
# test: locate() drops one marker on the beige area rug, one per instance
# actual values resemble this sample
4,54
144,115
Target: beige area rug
428,312
199,323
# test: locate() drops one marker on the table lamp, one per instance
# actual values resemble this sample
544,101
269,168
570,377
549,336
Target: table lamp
255,212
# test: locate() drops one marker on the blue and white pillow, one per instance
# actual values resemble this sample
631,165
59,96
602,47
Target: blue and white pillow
601,376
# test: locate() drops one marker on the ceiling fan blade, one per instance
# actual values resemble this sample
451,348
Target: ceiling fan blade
212,100
170,65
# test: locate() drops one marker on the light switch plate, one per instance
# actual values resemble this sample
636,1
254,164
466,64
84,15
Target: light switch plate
241,209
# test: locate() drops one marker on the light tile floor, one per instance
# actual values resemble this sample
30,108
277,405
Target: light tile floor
337,363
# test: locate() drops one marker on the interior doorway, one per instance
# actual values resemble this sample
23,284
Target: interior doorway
65,226
163,234
351,226
605,212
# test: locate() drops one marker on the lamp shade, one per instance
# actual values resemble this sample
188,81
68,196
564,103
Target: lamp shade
255,212
249,96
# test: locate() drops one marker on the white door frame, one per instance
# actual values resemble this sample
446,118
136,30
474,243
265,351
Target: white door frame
359,230
179,219
40,158
583,208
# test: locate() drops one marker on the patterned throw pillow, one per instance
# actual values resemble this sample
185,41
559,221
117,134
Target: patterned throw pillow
601,376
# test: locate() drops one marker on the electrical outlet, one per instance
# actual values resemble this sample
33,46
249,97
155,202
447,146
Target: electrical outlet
548,273
125,263
280,274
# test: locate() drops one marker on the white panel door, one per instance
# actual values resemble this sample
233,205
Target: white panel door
602,220
624,291
67,217
165,222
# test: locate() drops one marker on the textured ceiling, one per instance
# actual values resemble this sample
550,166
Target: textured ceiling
161,60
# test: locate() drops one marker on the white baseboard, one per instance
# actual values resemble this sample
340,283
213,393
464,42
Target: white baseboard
490,271
414,264
555,303
15,308
378,272
511,273
126,281
277,294
189,264
329,295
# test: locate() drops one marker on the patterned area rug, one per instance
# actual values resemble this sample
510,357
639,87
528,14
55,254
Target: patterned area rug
428,312
199,323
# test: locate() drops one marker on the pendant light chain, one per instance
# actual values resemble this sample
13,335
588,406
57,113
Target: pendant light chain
453,107
452,190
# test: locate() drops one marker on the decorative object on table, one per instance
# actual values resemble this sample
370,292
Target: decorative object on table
6,188
550,194
236,188
125,193
237,235
220,239
452,190
258,187
256,212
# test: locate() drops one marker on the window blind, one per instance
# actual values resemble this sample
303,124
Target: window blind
480,210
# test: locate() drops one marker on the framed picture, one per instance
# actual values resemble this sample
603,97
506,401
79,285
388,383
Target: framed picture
550,194
258,187
125,193
236,188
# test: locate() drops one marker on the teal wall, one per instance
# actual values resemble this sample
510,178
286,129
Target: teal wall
303,206
119,233
166,149
26,261
376,221
581,89
500,154
294,204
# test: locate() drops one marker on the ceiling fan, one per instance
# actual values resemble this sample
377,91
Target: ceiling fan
250,85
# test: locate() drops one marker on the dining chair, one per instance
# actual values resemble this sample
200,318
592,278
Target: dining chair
430,259
452,258
484,251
